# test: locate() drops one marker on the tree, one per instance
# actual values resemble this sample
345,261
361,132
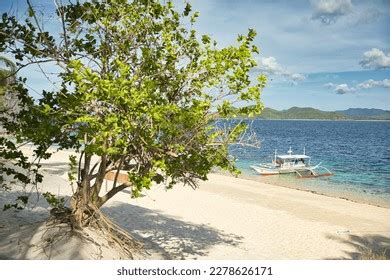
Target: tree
6,75
8,149
6,78
141,91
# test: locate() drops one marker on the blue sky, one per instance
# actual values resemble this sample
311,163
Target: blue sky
326,54
316,53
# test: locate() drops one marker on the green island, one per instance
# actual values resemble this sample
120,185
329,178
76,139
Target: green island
312,114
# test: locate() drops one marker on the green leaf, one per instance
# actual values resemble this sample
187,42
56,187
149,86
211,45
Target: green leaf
187,9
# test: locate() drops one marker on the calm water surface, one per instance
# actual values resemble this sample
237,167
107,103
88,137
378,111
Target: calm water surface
357,152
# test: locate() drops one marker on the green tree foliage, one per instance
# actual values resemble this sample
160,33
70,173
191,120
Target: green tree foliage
141,91
8,150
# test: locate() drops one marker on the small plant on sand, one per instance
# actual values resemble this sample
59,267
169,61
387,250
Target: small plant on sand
140,91
54,201
20,203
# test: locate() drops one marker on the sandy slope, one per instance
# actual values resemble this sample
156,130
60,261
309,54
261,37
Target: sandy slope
226,218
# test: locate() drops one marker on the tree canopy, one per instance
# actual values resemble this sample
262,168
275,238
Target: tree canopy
140,89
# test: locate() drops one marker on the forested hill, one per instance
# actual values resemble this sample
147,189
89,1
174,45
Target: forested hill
311,113
359,113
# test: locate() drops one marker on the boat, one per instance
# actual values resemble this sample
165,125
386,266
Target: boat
290,163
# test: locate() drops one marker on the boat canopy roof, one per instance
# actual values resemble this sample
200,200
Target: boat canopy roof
284,157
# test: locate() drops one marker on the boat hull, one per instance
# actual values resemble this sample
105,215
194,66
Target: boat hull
301,172
271,171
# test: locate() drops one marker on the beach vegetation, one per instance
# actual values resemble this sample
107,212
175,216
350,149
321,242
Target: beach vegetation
140,93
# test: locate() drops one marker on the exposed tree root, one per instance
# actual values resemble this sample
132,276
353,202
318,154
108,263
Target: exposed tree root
54,233
93,218
113,233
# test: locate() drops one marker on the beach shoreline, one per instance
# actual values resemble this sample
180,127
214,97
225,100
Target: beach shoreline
356,200
225,218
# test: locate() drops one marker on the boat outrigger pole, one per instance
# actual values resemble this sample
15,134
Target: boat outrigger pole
275,155
315,174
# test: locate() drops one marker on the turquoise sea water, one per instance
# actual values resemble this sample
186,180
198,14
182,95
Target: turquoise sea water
357,152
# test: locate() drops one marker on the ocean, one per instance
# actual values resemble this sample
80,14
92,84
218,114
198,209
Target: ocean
357,152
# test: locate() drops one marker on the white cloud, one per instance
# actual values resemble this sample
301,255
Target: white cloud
373,84
345,88
328,11
269,65
330,85
296,76
341,88
375,59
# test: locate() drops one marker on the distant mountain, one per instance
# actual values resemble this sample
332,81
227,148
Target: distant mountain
311,113
364,113
300,113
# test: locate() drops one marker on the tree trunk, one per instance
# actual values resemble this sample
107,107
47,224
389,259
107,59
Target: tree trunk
83,208
82,205
79,207
85,202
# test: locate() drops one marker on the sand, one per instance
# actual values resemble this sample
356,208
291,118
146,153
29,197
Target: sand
225,218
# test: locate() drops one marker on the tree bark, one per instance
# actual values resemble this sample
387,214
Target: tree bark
99,179
85,180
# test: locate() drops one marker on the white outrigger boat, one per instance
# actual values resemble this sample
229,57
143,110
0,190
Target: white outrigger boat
285,164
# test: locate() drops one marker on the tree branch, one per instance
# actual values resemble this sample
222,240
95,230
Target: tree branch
111,193
100,177
117,173
79,169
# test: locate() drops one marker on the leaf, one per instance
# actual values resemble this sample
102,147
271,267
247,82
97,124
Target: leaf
31,12
187,9
206,39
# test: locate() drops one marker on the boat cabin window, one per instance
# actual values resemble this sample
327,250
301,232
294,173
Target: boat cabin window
299,160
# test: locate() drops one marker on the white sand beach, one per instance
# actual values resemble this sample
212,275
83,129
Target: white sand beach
225,218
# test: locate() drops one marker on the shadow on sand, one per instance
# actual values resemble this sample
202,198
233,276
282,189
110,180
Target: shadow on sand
164,236
370,246
167,236
24,234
